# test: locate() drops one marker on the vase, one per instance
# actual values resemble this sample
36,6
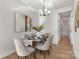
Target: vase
38,34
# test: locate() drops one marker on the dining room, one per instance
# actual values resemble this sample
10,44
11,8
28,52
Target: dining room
38,29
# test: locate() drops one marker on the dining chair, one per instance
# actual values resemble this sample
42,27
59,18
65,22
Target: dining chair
27,42
46,46
22,51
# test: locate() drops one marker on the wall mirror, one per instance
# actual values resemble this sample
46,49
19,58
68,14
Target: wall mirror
22,22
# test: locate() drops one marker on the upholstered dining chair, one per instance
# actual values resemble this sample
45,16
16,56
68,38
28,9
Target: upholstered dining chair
22,51
46,46
27,42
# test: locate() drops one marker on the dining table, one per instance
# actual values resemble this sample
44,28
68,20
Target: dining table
33,42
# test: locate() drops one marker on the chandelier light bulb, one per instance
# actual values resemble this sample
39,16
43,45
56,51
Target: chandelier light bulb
40,11
48,12
45,10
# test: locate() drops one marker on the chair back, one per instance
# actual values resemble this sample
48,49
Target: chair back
48,42
27,42
20,49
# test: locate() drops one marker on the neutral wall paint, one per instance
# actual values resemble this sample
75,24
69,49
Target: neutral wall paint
75,35
75,42
6,31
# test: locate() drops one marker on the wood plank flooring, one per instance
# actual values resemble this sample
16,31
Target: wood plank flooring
61,51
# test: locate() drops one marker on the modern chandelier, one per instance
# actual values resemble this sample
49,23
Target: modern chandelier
44,11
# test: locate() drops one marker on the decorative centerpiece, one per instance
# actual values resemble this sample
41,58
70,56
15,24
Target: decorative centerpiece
38,28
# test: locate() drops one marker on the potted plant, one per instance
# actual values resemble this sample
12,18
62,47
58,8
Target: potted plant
38,28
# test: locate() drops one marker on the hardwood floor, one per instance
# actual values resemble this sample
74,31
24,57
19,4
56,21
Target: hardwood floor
62,51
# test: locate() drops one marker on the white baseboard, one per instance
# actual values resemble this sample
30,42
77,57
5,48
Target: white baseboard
6,53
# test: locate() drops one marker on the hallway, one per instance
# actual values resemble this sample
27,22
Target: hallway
63,50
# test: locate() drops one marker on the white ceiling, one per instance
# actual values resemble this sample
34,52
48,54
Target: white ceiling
36,4
62,3
49,3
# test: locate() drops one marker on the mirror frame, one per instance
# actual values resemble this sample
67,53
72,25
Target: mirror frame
30,28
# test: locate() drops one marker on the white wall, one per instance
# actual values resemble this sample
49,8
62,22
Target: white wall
75,35
6,30
75,43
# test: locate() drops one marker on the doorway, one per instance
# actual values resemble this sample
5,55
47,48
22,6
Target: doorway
64,24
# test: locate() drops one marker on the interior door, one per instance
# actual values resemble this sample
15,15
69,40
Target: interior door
64,28
65,24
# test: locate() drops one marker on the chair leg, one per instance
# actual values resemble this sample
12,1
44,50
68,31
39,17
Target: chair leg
17,57
25,57
44,55
40,51
48,51
51,47
34,55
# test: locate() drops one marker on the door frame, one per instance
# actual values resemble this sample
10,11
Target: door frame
58,21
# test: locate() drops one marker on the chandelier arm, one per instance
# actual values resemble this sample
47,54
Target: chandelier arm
44,5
